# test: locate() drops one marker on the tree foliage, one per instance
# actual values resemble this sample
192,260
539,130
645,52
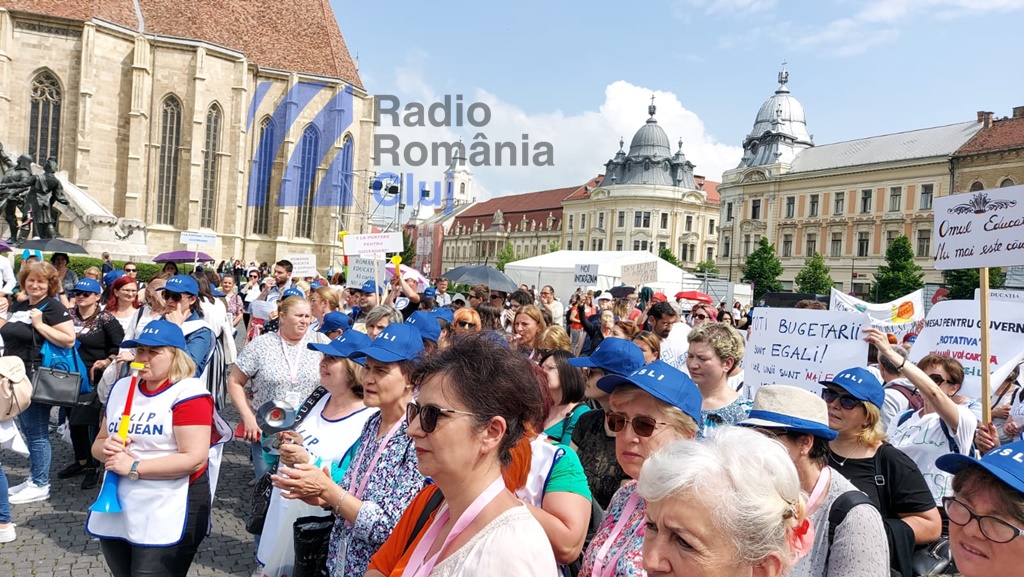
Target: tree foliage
554,246
900,275
408,249
707,266
763,269
507,255
961,282
666,254
815,277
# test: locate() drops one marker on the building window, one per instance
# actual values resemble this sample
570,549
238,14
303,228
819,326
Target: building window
167,176
890,236
664,220
924,243
583,221
865,201
711,226
1005,183
813,205
790,206
638,218
977,185
689,223
746,244
727,246
728,212
896,199
581,245
593,244
837,244
636,245
838,201
622,219
263,166
210,149
927,192
462,188
862,244
643,245
618,245
568,245
711,254
647,220
787,245
44,118
812,244
309,156
570,221
693,252
662,246
685,254
600,244
755,210
600,220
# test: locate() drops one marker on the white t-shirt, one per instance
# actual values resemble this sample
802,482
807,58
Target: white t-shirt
512,544
675,346
557,313
921,438
896,403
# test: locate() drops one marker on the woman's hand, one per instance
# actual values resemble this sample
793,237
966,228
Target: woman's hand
252,430
987,438
1001,412
303,481
114,445
291,450
1010,429
175,315
36,316
121,463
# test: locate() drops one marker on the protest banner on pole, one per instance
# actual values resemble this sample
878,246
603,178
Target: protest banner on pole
640,273
954,329
366,245
801,347
585,275
898,317
360,270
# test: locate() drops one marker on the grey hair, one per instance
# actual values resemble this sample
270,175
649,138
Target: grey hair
888,365
750,480
380,312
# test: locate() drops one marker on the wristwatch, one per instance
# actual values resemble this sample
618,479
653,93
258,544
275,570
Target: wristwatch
133,475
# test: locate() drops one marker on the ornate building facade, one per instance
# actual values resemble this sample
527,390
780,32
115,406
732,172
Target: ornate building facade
847,201
223,118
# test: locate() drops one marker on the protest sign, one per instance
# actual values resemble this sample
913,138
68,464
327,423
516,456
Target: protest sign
898,317
585,275
303,264
639,273
262,309
979,229
360,270
197,238
954,329
800,347
1011,295
372,244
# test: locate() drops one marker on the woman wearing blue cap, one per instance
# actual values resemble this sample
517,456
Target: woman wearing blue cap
182,307
165,467
986,511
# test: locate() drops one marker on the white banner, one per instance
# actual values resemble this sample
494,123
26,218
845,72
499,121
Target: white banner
303,265
585,275
898,317
1011,295
801,347
197,238
640,273
953,328
369,244
979,229
360,270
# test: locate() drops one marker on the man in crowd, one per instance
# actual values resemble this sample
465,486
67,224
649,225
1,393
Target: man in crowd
478,295
274,286
369,297
666,326
442,298
552,305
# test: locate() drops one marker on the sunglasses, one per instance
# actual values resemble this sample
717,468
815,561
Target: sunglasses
466,324
642,426
700,317
76,294
938,380
174,297
845,401
131,270
428,415
495,297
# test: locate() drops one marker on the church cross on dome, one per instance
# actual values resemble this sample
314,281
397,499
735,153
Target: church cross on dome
784,75
651,108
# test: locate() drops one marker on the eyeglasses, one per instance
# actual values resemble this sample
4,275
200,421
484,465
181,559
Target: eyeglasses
466,324
428,415
131,270
845,401
995,530
642,426
938,380
128,291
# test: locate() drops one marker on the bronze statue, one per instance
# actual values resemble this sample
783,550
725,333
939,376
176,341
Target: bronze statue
45,191
13,188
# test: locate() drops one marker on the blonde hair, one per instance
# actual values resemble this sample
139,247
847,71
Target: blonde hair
91,272
873,433
724,340
650,339
329,295
554,338
287,304
182,365
680,421
302,286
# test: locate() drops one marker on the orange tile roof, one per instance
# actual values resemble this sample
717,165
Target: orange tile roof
295,35
532,205
1003,134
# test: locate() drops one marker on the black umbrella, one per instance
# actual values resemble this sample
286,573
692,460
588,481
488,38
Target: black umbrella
54,245
482,274
621,292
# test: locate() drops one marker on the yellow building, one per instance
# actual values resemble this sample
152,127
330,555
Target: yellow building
994,158
847,200
228,118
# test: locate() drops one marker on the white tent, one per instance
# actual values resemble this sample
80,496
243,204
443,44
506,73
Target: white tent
557,269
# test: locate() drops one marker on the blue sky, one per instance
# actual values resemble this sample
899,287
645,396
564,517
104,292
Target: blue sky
580,74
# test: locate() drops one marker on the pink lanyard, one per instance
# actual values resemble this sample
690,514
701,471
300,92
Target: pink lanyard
358,493
814,501
422,567
599,566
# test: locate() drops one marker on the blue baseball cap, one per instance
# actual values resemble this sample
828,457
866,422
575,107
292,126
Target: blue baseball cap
615,356
430,292
426,323
181,283
860,383
343,346
334,321
370,287
217,293
445,313
30,252
111,276
88,285
1005,462
158,333
662,381
292,292
397,342
315,285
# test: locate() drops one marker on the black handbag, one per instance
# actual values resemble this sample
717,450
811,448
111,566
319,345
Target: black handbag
312,535
933,559
56,385
260,503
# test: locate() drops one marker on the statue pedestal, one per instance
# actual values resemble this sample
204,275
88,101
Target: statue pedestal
98,229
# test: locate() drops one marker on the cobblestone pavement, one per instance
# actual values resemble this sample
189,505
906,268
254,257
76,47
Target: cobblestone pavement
51,534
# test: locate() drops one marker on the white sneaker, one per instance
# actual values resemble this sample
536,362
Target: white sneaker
31,494
7,535
12,491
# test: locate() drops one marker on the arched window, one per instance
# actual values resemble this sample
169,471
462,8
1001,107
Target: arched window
263,166
309,152
44,117
977,186
462,188
167,176
211,145
347,194
1006,182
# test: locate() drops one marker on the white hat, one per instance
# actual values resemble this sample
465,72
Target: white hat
790,408
605,296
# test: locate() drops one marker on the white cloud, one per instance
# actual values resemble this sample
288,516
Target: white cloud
732,7
582,142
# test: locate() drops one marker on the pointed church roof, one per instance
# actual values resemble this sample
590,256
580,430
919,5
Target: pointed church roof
293,35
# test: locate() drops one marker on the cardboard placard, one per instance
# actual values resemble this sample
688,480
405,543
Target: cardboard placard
303,265
979,229
262,309
640,273
372,244
360,270
585,275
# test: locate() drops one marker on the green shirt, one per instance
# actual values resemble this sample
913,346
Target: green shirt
567,475
561,432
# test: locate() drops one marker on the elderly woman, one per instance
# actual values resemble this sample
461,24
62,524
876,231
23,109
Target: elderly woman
331,426
467,320
887,475
651,407
379,318
715,350
854,544
567,387
725,506
529,322
382,477
38,319
986,511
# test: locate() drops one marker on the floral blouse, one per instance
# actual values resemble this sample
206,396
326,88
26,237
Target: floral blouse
730,414
393,483
627,548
